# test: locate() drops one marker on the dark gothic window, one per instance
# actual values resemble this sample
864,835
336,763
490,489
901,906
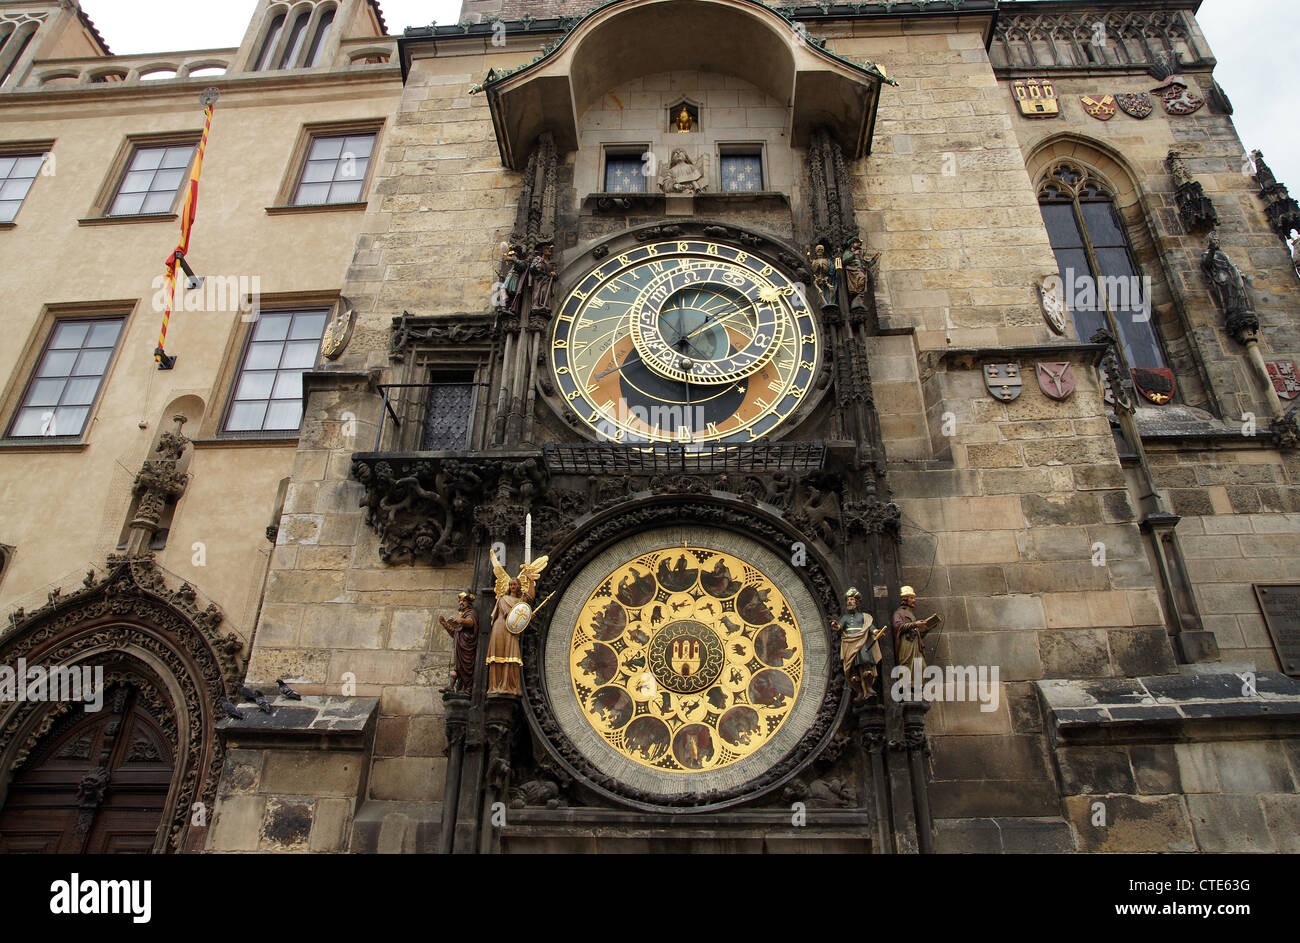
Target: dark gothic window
451,405
320,38
1096,264
292,45
268,44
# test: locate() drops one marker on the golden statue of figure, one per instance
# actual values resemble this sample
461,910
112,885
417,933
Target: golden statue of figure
510,616
685,123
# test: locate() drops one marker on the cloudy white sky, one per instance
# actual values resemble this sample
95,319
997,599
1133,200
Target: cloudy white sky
1254,40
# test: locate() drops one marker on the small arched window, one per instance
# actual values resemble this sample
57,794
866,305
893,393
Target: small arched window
268,44
13,50
320,40
292,46
1096,262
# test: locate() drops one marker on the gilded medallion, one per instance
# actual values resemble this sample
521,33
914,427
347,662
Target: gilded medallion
686,659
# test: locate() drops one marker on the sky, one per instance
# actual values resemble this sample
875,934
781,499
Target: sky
1254,41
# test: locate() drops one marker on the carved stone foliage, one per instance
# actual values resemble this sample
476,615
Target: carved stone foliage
135,625
1195,209
161,480
699,511
830,194
409,332
429,510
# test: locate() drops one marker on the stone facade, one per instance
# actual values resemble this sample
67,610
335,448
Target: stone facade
1100,559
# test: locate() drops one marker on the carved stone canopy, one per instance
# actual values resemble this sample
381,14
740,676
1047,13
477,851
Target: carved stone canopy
624,39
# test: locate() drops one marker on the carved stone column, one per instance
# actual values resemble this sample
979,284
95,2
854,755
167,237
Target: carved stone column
871,731
456,712
499,726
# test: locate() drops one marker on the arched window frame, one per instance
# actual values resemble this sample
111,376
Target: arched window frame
276,18
321,28
1070,183
294,39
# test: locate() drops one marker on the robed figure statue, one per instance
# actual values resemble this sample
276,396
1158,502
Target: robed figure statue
463,629
859,645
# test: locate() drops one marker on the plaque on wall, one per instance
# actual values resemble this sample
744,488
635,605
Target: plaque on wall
1280,603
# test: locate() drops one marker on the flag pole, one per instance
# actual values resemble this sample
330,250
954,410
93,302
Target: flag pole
207,98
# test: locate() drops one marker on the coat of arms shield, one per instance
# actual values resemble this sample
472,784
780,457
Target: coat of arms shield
1286,379
1155,383
1003,380
1137,105
1103,109
1177,99
1056,380
1036,97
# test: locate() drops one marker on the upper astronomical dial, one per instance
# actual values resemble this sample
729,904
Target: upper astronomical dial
704,325
684,341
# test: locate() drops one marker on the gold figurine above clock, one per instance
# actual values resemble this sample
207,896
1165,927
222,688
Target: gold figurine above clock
687,341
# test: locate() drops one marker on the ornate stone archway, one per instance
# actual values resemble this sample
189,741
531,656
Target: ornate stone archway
149,638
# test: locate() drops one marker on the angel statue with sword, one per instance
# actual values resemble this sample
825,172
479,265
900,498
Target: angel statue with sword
510,616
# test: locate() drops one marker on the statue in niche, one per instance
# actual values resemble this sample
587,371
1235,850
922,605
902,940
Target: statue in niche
859,645
682,175
909,638
541,279
511,614
510,278
685,123
825,277
857,274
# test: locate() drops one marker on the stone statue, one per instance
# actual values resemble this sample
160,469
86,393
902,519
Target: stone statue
682,175
1231,290
857,275
541,279
685,123
859,645
1263,173
511,279
463,629
909,638
825,277
510,617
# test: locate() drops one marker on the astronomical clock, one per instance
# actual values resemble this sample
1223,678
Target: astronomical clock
688,341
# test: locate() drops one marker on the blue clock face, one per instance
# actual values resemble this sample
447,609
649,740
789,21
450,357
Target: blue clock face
685,341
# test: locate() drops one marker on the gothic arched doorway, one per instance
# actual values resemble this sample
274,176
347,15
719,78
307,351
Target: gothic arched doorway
140,774
96,782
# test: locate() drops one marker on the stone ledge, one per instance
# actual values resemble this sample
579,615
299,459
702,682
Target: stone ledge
1166,707
1007,835
326,721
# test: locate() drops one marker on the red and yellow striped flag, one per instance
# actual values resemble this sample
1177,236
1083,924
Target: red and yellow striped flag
209,100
